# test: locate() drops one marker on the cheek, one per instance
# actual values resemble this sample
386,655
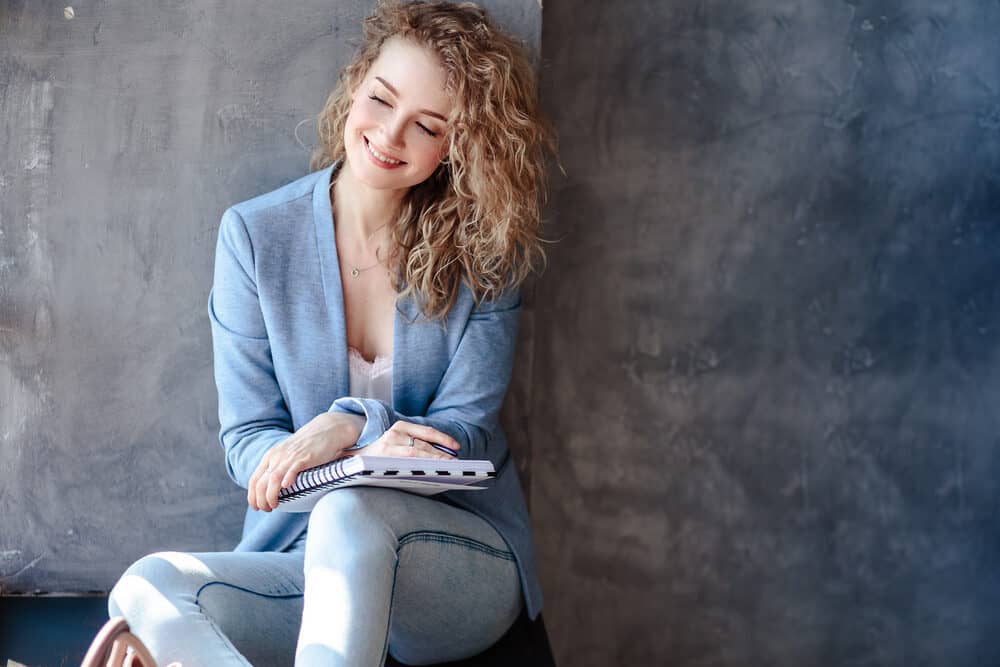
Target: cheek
357,117
430,152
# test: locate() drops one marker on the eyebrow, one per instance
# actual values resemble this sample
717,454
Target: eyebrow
396,93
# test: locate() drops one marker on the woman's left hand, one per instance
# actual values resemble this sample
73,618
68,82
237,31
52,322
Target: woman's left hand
413,440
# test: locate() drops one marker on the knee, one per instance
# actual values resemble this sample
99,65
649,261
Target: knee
348,520
346,510
152,585
339,505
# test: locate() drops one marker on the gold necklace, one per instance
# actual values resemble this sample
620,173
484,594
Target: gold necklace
356,270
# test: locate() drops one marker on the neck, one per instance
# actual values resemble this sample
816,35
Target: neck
360,210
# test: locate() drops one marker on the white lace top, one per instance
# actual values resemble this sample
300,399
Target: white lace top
370,379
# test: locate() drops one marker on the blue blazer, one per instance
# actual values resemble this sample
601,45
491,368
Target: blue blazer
280,349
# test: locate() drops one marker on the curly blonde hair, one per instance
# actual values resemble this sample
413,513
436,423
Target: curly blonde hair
476,218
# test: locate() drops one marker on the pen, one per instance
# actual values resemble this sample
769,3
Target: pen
444,449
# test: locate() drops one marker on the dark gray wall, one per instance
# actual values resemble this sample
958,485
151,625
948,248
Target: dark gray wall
757,380
126,131
766,379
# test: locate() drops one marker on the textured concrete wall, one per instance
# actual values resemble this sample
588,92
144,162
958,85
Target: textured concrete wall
766,364
126,130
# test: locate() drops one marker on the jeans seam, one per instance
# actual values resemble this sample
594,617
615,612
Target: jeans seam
197,595
197,600
388,618
450,538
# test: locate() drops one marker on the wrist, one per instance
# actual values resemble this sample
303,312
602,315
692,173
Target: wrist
351,427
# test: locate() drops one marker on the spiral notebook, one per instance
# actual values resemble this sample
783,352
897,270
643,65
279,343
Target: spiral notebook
417,475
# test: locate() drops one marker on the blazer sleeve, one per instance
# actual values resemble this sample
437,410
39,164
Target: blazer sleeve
468,399
253,416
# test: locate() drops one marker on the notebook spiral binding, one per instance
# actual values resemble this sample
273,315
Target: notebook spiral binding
328,476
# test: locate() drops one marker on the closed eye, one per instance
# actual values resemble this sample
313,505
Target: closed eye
383,102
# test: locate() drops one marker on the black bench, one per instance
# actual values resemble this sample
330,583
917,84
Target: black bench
526,644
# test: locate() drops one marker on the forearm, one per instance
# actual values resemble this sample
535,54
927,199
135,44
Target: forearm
243,453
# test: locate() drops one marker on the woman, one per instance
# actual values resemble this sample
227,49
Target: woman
372,306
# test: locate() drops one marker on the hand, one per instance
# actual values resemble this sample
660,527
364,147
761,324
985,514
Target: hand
322,440
396,442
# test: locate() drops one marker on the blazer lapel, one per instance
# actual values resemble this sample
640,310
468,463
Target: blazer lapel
333,290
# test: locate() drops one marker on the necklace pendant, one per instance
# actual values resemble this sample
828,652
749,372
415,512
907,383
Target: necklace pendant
355,272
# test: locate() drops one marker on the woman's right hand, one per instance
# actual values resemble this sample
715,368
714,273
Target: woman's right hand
322,440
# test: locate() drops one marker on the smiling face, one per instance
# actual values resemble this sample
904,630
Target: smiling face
394,136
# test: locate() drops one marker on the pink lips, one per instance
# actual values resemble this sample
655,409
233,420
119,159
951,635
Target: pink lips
374,160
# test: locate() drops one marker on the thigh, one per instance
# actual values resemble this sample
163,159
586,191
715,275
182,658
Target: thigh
456,588
454,597
205,604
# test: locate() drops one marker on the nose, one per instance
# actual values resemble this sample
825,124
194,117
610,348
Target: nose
392,130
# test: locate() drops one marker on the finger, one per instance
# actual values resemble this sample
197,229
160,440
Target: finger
273,489
261,491
275,476
421,449
430,434
252,495
292,473
415,446
292,470
252,487
425,450
266,463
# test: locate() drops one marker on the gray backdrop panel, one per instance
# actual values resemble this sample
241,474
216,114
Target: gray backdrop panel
126,132
766,360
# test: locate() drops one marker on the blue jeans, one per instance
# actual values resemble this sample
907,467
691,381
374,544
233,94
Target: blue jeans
378,570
